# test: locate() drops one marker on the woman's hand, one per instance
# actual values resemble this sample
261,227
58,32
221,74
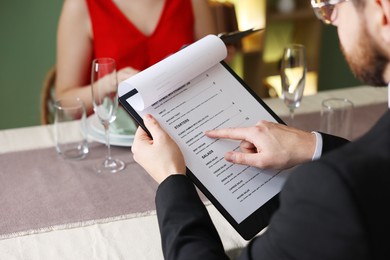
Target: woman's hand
268,145
160,156
126,73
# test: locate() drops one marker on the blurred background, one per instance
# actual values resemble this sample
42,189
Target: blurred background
28,43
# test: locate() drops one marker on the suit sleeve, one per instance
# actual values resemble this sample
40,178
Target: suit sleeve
187,231
331,142
316,220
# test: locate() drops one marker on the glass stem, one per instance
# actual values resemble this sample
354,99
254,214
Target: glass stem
107,134
291,116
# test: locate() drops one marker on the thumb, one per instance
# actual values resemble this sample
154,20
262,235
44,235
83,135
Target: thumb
152,125
251,159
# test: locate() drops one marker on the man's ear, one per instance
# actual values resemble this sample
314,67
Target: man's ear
385,30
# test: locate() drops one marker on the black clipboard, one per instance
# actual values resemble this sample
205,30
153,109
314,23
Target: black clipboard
256,221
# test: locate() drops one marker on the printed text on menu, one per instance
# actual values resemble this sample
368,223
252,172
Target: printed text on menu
216,99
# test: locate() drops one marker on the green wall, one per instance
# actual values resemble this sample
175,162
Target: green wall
333,69
27,51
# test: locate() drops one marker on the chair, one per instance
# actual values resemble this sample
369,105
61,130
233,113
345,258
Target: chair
47,97
224,14
225,18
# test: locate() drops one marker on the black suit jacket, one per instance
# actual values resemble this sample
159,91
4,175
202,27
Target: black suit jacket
333,208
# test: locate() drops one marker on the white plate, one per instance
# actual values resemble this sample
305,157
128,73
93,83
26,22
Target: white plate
122,126
96,132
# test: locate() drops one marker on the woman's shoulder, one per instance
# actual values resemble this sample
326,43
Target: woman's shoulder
75,12
77,7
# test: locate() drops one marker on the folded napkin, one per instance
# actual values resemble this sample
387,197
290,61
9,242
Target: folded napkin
123,124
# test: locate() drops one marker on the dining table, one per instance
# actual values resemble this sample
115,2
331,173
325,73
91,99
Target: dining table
51,208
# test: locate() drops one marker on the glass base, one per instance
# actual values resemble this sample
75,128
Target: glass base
72,151
110,166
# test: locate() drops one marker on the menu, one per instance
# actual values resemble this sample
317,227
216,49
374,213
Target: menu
193,91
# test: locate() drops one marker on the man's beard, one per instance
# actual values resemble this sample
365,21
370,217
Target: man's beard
366,61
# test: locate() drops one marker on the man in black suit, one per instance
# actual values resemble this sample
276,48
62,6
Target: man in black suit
331,208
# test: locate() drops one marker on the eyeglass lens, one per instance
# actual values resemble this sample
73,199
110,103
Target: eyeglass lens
325,13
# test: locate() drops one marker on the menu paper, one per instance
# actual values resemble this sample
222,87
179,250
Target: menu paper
191,92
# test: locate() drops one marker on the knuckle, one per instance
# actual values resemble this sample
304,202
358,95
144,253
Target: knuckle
239,158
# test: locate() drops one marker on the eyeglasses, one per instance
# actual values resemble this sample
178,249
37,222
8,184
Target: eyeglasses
325,9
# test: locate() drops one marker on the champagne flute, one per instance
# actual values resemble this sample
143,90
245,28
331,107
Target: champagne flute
293,75
105,104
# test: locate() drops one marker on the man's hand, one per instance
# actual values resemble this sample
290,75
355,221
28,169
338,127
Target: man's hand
268,145
160,156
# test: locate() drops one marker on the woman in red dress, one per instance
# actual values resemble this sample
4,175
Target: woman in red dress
135,33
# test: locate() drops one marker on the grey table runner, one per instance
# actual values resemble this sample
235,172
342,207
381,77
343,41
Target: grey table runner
39,190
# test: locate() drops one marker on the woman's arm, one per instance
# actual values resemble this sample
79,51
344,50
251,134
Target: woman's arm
74,52
204,20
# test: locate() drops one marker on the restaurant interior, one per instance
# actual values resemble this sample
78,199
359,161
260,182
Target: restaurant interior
29,40
59,208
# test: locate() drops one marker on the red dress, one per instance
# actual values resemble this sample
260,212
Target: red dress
115,36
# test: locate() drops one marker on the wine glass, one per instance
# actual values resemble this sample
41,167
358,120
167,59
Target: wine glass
293,75
105,104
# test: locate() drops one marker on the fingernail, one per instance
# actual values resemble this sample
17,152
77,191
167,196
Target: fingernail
148,117
229,156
